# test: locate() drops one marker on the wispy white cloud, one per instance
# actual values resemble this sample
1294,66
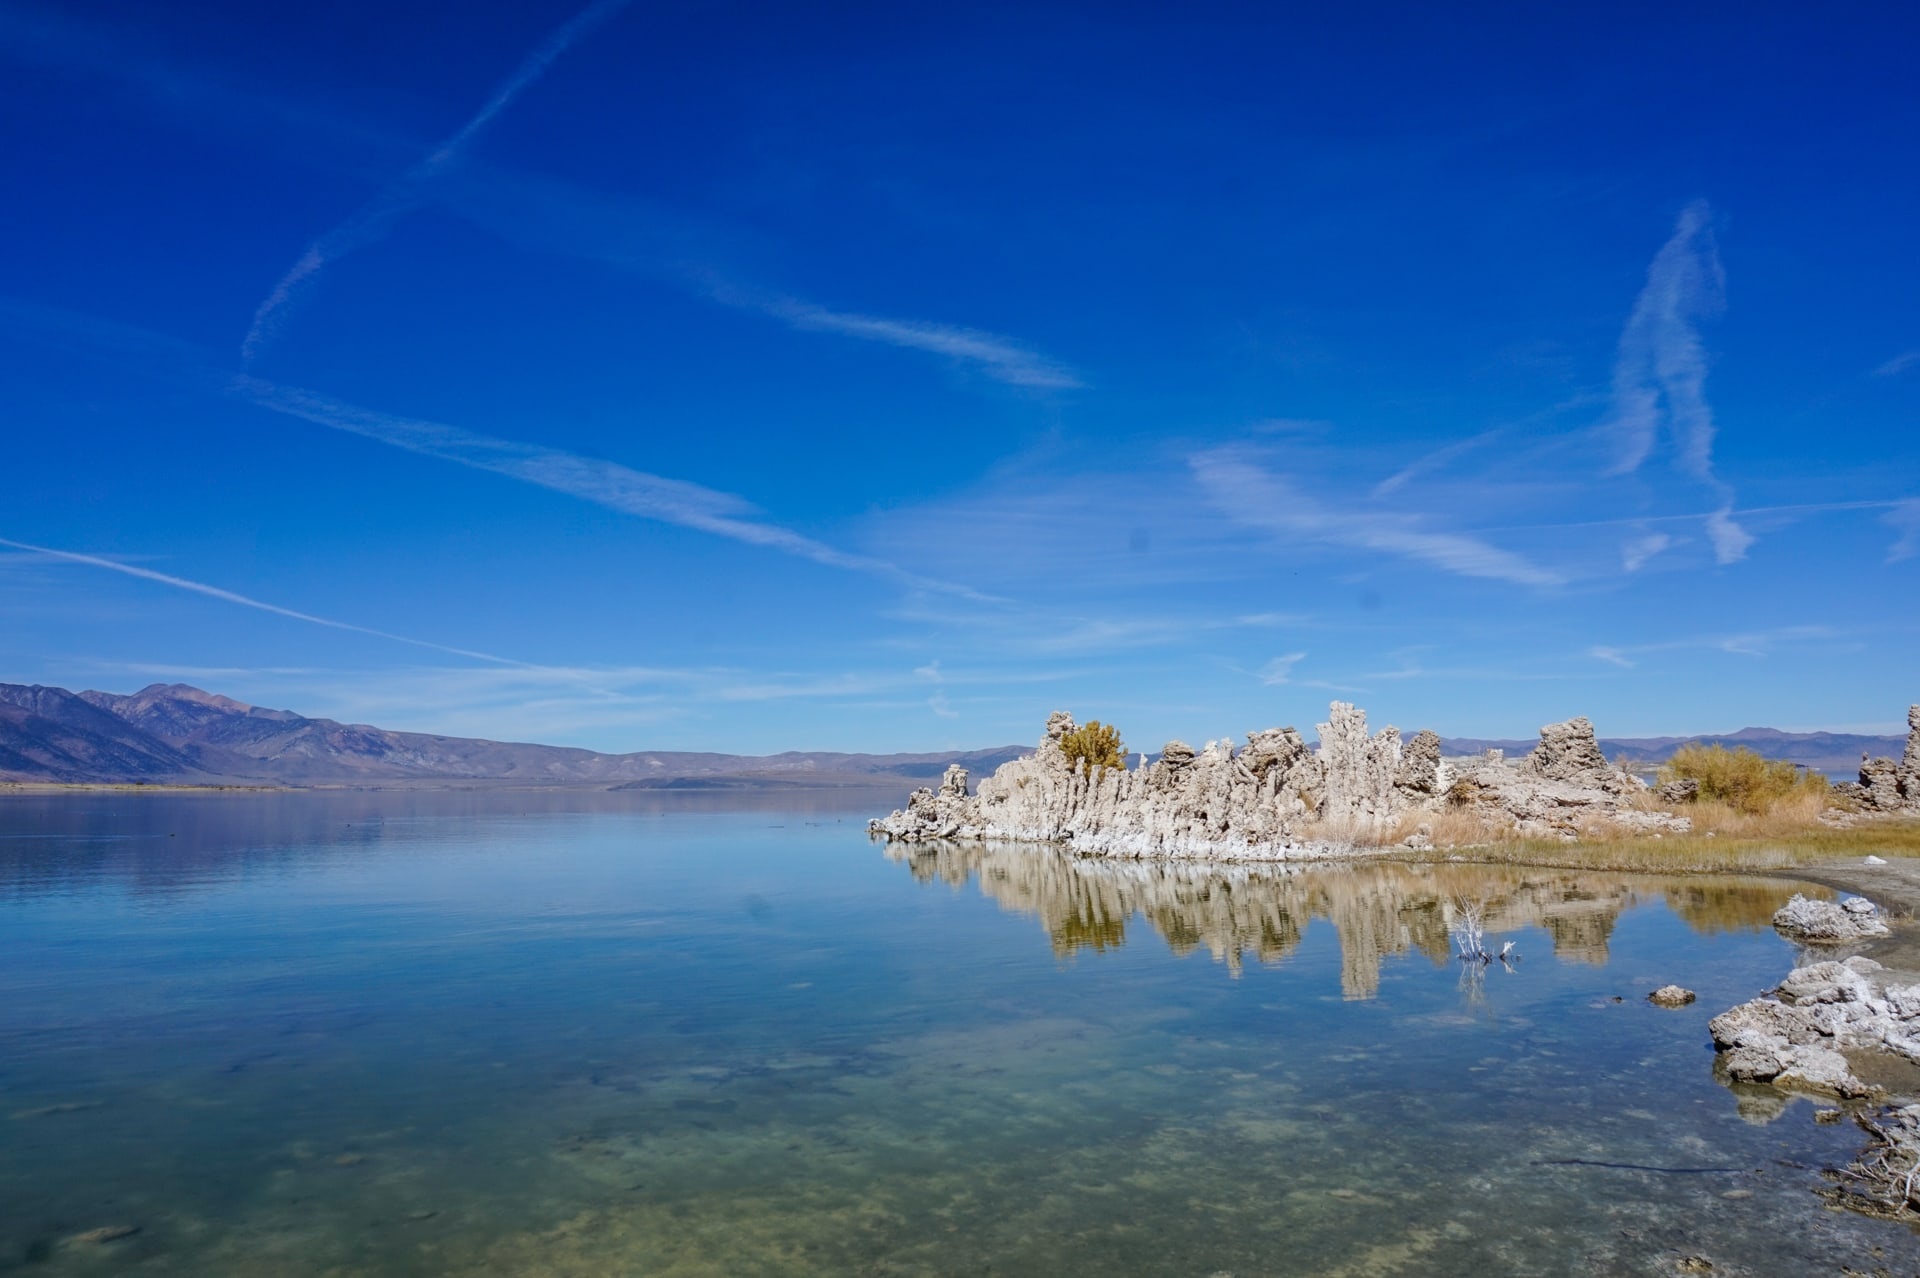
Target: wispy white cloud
1434,460
1730,539
1661,354
1000,358
228,596
1745,643
1104,634
1257,498
1904,518
1280,669
525,207
1660,375
604,483
373,219
1898,364
1636,553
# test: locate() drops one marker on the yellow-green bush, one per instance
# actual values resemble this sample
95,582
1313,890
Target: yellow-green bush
1740,778
1097,743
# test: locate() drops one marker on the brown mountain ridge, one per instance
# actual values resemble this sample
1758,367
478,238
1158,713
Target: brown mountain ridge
176,734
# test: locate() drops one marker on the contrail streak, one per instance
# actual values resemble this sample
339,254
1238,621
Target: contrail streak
372,219
228,596
605,483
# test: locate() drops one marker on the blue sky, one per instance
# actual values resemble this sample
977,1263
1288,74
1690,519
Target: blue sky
882,377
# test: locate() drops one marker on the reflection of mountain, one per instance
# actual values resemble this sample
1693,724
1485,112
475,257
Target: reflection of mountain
1378,909
159,843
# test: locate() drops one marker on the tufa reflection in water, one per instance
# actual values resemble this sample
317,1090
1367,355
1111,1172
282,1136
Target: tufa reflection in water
1378,909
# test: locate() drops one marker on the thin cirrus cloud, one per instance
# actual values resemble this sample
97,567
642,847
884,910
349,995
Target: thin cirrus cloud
604,483
228,596
1435,460
1904,518
1636,554
525,208
1280,669
1256,498
1751,643
1660,374
998,357
373,219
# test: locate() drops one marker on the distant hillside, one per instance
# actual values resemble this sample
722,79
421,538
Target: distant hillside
1835,753
181,735
174,734
51,735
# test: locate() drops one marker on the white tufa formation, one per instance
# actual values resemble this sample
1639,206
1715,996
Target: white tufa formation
1890,785
1273,798
1794,1038
1825,923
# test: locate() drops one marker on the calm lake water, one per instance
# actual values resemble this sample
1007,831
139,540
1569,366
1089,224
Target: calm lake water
610,1034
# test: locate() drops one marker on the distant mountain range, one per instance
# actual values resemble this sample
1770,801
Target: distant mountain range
1835,753
173,734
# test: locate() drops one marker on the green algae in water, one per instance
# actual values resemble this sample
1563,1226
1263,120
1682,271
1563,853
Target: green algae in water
599,1034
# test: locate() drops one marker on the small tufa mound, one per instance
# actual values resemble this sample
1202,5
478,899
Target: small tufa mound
1679,790
1421,772
1569,752
1824,923
1670,996
1176,755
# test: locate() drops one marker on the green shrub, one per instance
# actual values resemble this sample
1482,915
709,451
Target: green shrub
1097,743
1740,778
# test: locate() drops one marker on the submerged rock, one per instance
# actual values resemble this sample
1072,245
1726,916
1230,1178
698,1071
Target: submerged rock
1824,923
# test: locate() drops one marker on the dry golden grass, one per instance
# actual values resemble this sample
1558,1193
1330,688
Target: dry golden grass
1726,836
1752,814
1449,827
1697,853
1787,817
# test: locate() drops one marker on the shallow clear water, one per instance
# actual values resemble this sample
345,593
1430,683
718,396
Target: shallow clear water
589,1034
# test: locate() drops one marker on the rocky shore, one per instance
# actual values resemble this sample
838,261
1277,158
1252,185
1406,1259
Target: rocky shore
1842,1024
1275,798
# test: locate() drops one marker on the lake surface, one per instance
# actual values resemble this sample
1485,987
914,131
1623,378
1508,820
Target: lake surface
610,1034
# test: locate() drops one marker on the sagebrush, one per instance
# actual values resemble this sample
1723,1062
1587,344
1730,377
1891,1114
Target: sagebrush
1097,744
1741,779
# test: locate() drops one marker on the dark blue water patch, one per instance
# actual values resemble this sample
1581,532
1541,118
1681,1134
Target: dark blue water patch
584,1033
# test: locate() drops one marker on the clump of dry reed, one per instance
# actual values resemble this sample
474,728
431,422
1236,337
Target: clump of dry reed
1743,781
